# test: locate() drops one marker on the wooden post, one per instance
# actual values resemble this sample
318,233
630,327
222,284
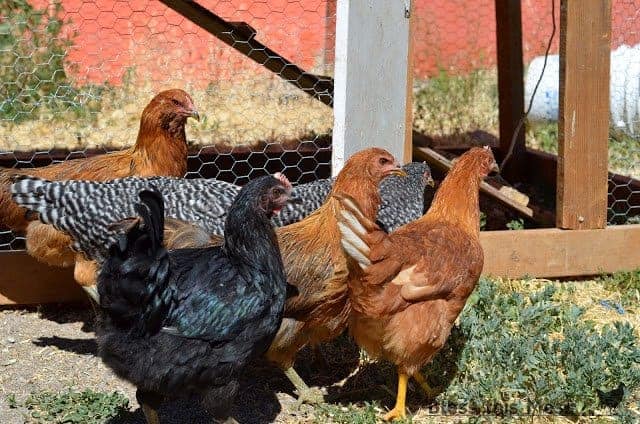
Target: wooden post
510,81
585,51
407,155
371,78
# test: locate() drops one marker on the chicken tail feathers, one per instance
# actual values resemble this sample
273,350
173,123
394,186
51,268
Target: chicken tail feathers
134,283
29,192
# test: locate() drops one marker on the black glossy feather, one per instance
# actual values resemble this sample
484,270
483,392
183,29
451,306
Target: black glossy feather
204,312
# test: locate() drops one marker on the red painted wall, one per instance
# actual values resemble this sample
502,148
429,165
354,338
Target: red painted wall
161,46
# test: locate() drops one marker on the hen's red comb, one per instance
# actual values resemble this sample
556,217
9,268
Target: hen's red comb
284,180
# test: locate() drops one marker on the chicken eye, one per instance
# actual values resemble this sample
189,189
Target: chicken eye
176,102
277,192
384,161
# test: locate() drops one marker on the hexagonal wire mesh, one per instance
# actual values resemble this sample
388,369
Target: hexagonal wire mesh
624,137
76,74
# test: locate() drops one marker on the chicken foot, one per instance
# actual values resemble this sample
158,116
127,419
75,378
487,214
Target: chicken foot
428,390
149,402
306,394
399,411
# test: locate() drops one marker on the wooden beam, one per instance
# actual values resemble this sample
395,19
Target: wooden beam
585,51
544,253
241,37
371,73
26,281
510,81
560,253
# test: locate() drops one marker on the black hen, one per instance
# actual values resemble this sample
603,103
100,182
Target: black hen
187,321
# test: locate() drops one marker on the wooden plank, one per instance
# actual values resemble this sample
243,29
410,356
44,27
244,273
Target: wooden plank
25,281
560,253
241,37
544,253
437,160
372,51
585,50
510,81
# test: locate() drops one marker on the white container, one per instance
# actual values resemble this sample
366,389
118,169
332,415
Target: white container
624,89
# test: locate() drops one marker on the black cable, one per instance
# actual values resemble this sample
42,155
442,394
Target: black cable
535,89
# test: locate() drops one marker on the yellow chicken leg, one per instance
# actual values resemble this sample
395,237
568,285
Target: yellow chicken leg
150,414
399,411
428,390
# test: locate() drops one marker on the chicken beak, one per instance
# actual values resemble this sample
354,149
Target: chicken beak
495,169
399,172
195,115
429,182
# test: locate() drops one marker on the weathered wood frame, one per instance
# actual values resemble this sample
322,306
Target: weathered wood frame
581,245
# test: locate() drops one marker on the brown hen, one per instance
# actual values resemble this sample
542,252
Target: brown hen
411,285
317,266
160,149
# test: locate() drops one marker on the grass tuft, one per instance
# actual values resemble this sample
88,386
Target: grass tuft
71,407
530,350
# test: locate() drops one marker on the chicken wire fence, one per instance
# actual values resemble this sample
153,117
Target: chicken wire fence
75,75
456,98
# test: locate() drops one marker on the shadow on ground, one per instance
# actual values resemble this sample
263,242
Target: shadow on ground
265,391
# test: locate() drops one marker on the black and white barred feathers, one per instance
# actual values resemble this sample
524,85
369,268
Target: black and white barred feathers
86,209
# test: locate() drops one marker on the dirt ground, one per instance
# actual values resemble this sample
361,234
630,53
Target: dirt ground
53,349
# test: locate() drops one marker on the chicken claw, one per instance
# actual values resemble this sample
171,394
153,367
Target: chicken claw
306,394
399,411
310,396
428,390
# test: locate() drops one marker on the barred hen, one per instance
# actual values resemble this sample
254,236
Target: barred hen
407,288
160,149
402,198
187,321
201,202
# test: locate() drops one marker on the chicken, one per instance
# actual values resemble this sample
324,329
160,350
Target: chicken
407,288
201,202
311,250
317,266
160,149
186,322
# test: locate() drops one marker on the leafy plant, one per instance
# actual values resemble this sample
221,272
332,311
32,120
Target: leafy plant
483,220
627,284
73,407
349,414
11,401
33,79
516,353
516,224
